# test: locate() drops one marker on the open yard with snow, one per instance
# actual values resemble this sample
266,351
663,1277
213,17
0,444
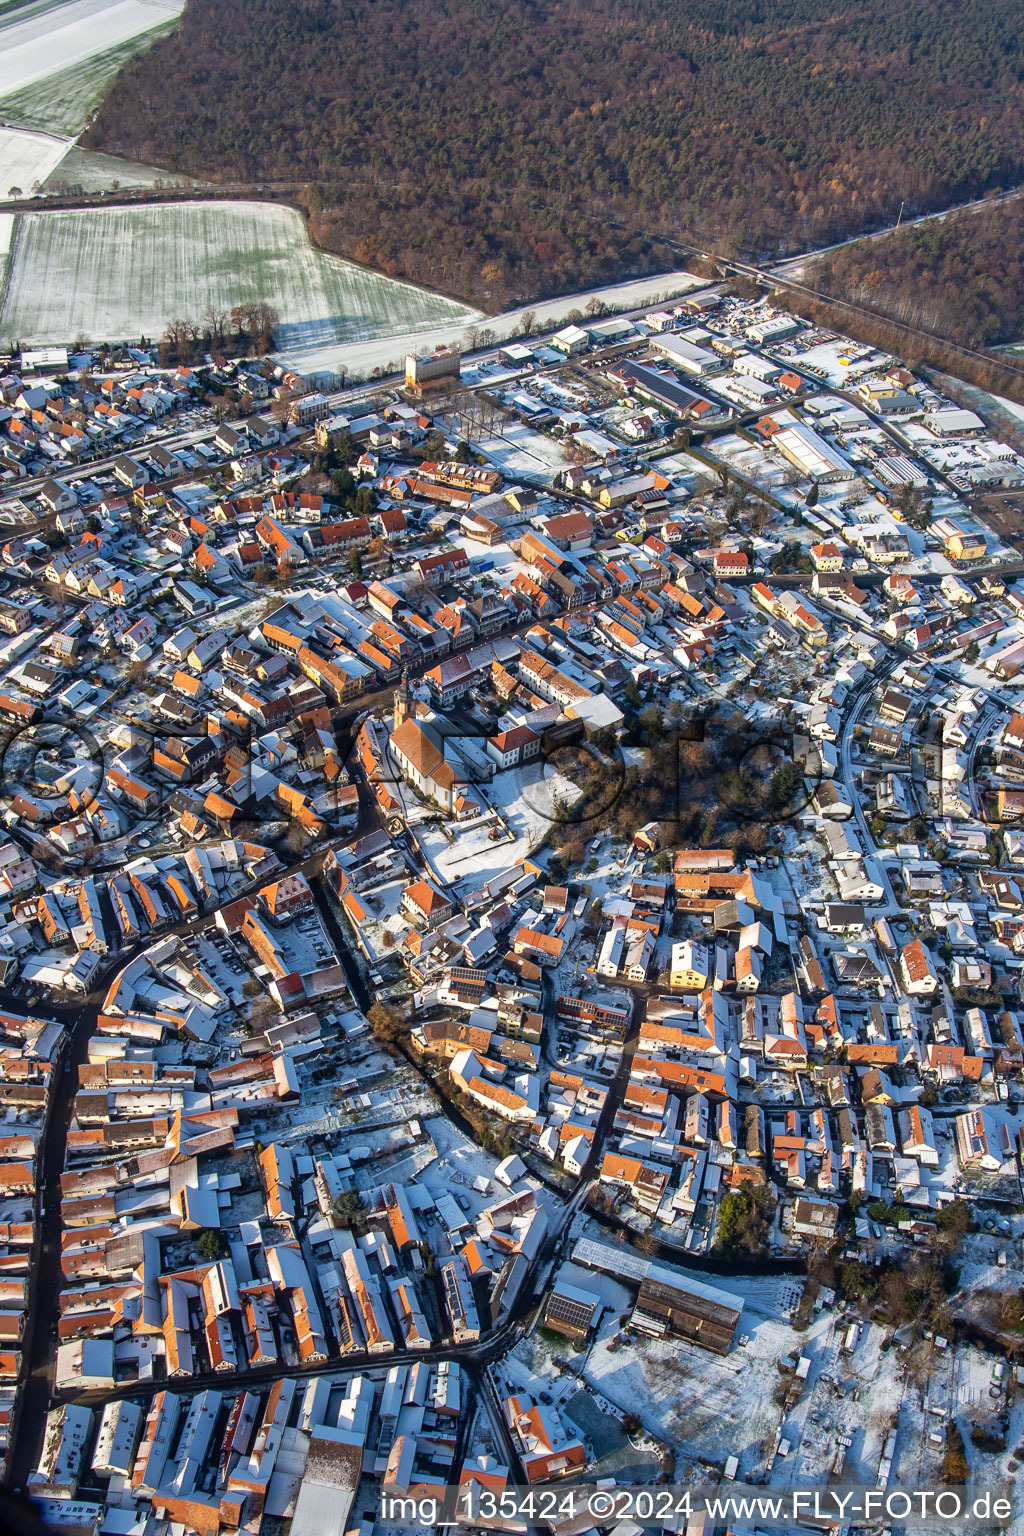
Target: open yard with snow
520,450
120,272
526,798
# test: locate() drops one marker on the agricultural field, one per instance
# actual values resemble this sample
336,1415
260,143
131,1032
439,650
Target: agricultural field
105,173
55,59
114,273
27,159
62,102
35,44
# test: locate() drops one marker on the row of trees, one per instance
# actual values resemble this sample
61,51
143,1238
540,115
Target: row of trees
248,326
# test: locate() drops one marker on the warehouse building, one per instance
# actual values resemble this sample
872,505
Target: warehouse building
570,340
687,356
896,471
662,387
753,391
811,455
669,1303
748,363
954,423
770,332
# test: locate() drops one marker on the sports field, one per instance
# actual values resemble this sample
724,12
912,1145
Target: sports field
118,273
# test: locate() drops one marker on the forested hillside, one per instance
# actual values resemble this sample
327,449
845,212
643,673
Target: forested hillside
962,277
488,148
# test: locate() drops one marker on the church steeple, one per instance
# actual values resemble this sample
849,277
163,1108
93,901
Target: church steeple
403,700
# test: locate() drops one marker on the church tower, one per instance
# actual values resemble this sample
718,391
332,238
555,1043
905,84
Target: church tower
403,701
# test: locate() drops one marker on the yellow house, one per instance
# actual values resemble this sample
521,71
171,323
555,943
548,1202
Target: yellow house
690,967
965,548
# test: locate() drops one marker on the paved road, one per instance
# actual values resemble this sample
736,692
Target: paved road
853,710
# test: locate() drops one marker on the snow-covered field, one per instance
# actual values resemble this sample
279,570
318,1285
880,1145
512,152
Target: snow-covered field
27,158
519,450
63,102
120,272
709,1407
39,41
97,173
362,357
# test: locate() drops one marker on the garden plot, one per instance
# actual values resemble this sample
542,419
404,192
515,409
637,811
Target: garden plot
26,159
119,272
40,42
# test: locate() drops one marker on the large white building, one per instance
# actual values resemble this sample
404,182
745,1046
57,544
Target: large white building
808,452
687,355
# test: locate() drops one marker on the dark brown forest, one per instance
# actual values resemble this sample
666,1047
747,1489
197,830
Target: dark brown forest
962,276
491,150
